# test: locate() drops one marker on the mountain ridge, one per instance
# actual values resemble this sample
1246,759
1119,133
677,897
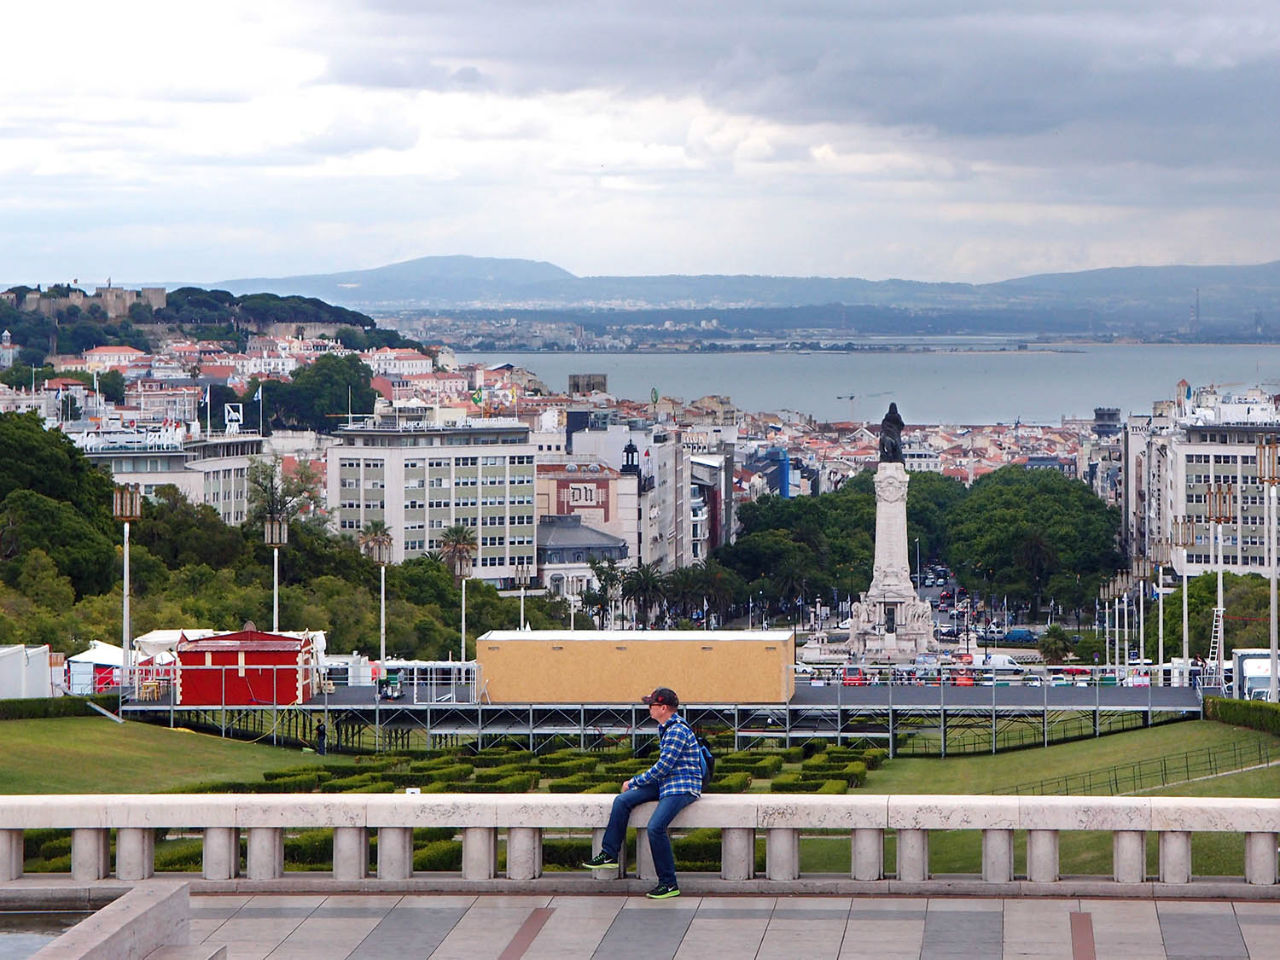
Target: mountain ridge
466,282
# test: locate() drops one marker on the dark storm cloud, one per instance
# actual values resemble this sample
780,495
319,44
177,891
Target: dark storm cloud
1000,80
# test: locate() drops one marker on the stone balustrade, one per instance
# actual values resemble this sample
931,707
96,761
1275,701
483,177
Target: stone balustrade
781,819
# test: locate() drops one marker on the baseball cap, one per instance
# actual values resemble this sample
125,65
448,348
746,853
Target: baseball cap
663,696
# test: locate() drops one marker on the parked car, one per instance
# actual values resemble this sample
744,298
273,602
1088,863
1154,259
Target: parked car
855,677
1019,635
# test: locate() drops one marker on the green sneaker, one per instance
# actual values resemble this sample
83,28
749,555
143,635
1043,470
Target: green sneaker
601,861
663,892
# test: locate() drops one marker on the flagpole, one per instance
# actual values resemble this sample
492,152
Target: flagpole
259,409
208,412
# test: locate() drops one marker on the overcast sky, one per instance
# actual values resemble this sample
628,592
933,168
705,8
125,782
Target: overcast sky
933,140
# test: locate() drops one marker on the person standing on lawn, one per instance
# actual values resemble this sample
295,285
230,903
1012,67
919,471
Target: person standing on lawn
674,780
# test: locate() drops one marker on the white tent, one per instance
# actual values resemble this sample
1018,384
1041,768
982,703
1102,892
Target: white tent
95,670
24,672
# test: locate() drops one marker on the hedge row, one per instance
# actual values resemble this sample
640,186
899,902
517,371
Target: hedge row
39,708
1254,714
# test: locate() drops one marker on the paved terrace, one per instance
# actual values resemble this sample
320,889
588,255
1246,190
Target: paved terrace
729,928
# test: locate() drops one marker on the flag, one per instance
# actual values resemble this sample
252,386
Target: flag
257,397
208,395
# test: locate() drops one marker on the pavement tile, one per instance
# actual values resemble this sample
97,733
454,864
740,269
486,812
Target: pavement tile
716,939
648,930
484,932
812,939
408,932
572,934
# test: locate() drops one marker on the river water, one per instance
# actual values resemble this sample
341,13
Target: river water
942,385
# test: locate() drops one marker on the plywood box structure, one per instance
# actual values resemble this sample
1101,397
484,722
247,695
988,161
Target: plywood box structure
620,666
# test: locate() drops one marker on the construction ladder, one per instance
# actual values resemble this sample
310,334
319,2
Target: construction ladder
1210,675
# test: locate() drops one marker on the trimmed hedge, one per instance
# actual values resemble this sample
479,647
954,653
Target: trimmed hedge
378,786
500,758
39,708
1254,714
736,782
285,774
303,783
310,847
439,855
347,783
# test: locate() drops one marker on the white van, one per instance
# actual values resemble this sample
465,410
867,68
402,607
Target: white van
999,662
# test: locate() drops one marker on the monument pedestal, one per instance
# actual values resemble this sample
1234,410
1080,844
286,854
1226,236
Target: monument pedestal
890,621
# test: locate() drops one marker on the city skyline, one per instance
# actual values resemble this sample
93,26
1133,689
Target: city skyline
971,143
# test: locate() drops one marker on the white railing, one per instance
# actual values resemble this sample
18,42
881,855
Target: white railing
523,817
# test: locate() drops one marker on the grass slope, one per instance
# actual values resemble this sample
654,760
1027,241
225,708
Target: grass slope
983,774
95,755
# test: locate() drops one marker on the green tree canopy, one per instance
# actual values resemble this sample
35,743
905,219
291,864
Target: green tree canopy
1019,528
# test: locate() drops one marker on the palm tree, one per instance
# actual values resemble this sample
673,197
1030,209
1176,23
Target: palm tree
683,590
375,540
644,586
457,546
609,578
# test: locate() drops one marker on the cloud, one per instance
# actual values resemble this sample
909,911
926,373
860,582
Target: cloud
935,140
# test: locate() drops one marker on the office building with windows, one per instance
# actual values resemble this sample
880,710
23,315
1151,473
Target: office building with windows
424,471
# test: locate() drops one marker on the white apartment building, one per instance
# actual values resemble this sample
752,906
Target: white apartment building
660,467
211,470
1175,459
425,471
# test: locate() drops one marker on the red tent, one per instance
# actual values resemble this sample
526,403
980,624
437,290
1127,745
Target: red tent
246,668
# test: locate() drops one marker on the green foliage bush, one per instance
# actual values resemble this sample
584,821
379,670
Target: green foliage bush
440,855
874,757
499,758
1254,714
766,767
578,783
785,783
424,835
793,754
57,847
33,840
453,773
302,783
602,788
729,783
343,784
310,847
378,786
317,769
56,865
493,774
180,855
565,852
36,708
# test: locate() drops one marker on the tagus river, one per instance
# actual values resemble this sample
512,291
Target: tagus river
940,385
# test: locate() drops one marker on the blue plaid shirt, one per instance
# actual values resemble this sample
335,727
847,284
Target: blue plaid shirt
678,768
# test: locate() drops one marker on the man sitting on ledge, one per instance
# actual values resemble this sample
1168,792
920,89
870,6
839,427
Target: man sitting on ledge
674,780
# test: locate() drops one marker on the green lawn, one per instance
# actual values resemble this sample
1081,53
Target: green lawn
988,772
96,755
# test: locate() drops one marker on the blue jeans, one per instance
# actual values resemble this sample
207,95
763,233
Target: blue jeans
664,861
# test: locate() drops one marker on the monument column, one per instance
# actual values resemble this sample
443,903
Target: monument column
891,621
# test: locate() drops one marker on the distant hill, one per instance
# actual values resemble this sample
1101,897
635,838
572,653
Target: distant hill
1141,294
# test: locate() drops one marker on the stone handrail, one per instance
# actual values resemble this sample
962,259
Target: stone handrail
524,817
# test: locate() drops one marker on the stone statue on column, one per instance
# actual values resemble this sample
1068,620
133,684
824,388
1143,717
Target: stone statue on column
890,621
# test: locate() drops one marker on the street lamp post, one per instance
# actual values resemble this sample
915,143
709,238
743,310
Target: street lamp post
379,549
276,534
919,579
1142,572
522,578
126,505
1269,473
1222,510
1184,536
1161,548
